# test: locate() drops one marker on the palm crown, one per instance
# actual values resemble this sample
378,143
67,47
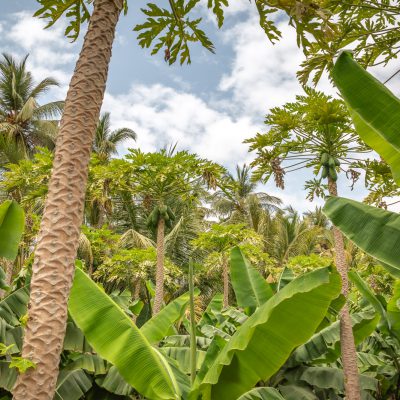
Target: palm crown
24,123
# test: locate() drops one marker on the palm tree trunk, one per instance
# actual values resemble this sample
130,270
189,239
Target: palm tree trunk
159,296
9,269
348,348
53,267
225,280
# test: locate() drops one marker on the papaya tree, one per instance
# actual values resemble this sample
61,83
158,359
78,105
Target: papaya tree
218,241
158,180
315,133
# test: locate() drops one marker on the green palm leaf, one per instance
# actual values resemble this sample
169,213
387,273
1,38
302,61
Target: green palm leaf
264,342
117,339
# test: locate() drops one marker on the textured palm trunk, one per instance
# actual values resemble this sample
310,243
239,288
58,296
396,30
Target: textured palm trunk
53,267
225,280
9,270
348,348
159,296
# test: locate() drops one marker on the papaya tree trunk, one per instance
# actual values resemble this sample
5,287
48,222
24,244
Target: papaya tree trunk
225,280
53,268
159,296
9,270
348,348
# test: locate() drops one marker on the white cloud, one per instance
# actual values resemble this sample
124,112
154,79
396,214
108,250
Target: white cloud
162,115
50,53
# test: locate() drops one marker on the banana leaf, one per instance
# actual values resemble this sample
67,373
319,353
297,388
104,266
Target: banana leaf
160,325
12,221
8,376
89,362
368,294
182,356
286,277
325,344
372,229
332,378
14,306
72,385
117,339
297,392
114,383
262,393
264,342
375,110
251,289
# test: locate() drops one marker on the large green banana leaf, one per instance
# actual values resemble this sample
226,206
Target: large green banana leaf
89,362
14,306
114,383
325,344
372,229
251,289
374,109
332,378
12,221
297,392
117,339
264,342
262,393
182,356
160,325
72,385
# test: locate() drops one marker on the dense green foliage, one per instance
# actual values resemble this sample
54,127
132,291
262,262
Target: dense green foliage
275,332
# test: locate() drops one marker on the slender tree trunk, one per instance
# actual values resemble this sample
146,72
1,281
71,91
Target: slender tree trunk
9,270
159,296
53,267
348,348
225,280
136,290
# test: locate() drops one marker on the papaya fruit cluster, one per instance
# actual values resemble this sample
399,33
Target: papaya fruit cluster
329,165
159,212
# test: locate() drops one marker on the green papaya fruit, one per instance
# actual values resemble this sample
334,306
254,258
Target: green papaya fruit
324,158
325,171
332,173
331,162
337,162
155,217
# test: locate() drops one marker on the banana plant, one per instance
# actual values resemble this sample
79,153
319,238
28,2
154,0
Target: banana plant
258,345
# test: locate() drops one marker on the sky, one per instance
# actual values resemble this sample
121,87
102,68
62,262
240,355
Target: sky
209,107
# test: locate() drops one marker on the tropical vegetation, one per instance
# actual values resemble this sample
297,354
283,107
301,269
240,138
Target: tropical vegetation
164,275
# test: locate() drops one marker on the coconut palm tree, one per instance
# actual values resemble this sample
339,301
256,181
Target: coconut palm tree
240,203
106,141
292,236
24,122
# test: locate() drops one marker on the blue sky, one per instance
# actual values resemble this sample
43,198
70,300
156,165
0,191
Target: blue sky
209,107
